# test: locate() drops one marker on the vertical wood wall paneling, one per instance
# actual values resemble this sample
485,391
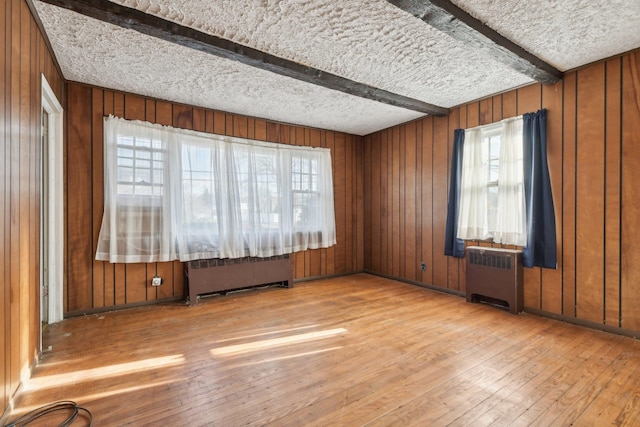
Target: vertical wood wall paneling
530,100
496,108
5,142
35,190
388,233
14,193
592,145
395,190
425,230
613,199
590,218
410,171
368,205
29,144
79,193
441,160
417,225
569,197
24,58
630,191
401,242
335,255
380,203
358,215
551,289
349,172
485,111
26,176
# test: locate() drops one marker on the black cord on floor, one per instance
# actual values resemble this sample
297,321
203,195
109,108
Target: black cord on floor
63,405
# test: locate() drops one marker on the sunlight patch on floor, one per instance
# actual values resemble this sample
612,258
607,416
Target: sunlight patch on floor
291,356
275,342
279,331
57,380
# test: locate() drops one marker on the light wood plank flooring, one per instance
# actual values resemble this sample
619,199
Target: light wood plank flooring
352,351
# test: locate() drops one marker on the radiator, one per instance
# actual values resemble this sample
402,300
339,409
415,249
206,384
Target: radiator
495,276
220,275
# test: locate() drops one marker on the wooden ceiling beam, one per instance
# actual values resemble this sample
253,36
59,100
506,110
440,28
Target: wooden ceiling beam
450,19
151,25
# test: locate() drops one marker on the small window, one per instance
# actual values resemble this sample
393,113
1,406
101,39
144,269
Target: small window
492,184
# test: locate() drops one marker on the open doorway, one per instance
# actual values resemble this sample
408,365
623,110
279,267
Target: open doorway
51,228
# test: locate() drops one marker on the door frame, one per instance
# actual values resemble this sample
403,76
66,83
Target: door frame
54,205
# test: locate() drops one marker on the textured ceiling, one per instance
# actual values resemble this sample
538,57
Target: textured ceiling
566,33
370,42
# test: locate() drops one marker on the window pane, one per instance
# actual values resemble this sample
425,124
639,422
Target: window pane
494,170
143,142
136,167
125,152
143,154
125,140
125,174
494,147
492,207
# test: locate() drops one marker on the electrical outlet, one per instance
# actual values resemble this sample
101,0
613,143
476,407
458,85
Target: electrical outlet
423,266
156,281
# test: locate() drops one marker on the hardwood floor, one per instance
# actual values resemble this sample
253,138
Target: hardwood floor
351,351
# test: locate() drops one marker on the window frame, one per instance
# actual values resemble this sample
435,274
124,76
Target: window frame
271,199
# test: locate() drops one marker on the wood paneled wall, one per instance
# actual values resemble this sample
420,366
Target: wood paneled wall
95,285
594,159
25,57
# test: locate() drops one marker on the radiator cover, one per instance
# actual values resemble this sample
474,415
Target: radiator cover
206,276
495,275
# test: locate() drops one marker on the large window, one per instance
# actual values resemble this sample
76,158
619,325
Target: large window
173,194
492,204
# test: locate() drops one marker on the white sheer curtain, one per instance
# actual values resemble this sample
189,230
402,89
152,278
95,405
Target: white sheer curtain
176,194
511,224
509,214
472,220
